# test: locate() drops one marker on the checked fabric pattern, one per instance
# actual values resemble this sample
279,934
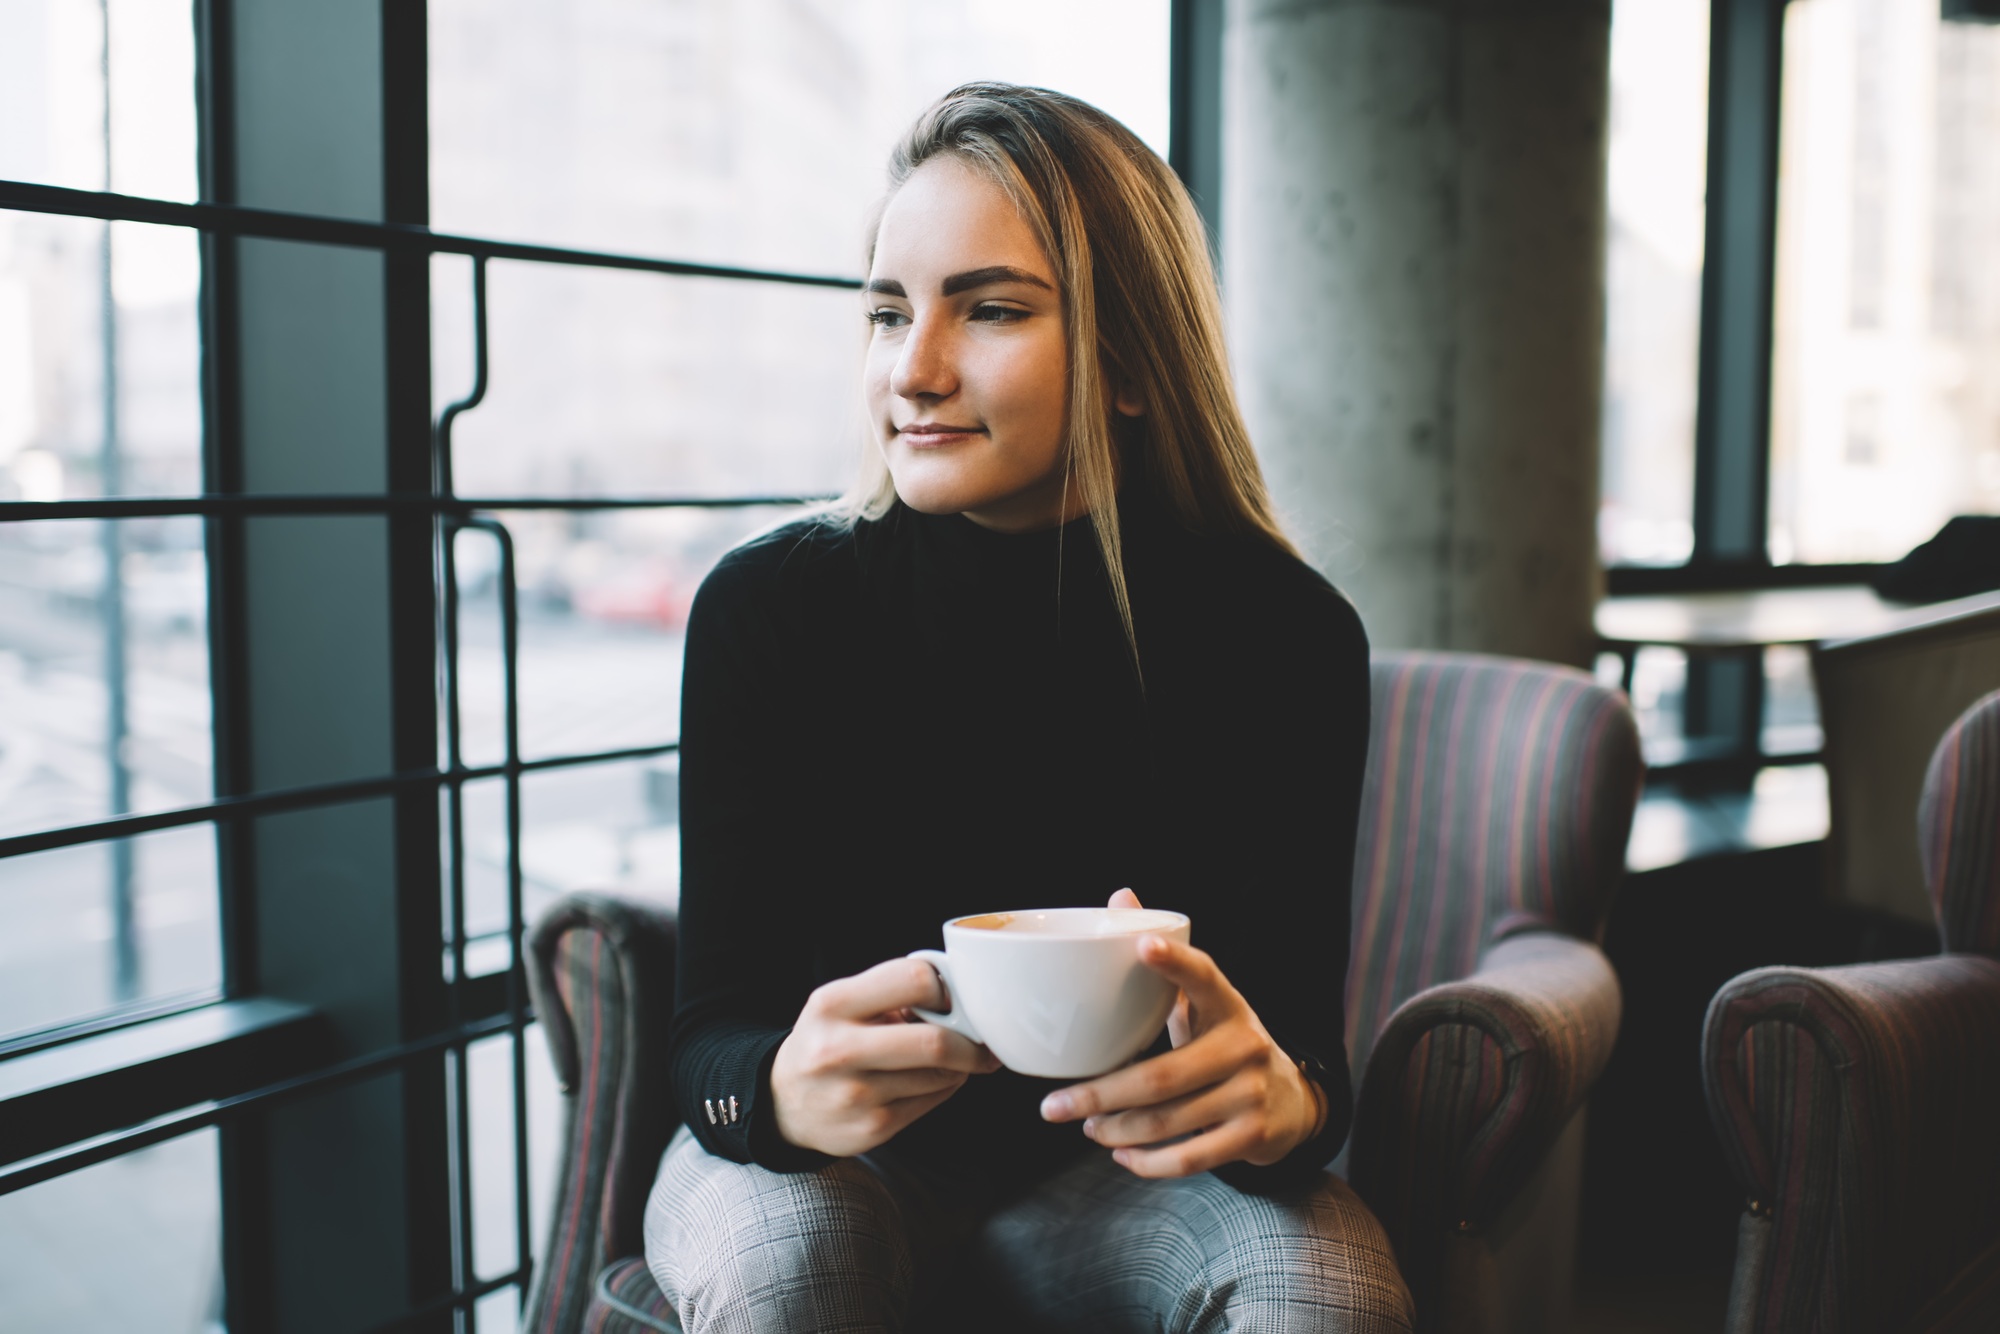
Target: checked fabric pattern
741,1250
1480,1011
1857,1105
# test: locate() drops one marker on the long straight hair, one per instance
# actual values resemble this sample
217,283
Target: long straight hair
1141,312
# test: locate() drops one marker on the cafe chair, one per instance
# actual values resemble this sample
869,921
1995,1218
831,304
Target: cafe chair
1480,1010
601,971
1858,1106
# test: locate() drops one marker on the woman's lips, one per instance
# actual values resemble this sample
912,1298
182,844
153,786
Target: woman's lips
936,435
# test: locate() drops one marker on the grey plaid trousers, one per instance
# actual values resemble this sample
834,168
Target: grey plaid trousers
869,1244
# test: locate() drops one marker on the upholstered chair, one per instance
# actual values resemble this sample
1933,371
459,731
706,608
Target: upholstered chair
1858,1106
1480,1010
601,970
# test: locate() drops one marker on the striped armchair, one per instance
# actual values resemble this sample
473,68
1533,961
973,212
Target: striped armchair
601,970
1493,828
1857,1106
1480,1011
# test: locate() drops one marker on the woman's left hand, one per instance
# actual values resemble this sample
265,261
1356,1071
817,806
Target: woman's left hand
1226,1086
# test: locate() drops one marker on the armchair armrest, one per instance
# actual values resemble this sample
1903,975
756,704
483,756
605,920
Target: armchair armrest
1471,1083
1857,1107
601,971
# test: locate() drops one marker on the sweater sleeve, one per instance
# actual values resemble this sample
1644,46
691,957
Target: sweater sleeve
1284,783
745,960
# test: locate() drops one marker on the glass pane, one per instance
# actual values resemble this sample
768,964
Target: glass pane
131,1244
609,383
492,1083
604,599
598,826
93,927
1657,185
747,133
52,95
67,428
1659,699
1885,417
1791,709
106,681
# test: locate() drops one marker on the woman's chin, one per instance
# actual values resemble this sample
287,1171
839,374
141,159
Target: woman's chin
938,491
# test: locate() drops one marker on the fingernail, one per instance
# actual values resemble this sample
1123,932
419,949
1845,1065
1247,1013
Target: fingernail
1090,1127
1120,1157
1057,1107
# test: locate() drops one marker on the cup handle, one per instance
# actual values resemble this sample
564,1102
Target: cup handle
955,1019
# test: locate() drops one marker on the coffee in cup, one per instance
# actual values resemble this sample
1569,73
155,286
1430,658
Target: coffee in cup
1058,993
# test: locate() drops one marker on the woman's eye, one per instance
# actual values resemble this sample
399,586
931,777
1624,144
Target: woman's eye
992,314
887,319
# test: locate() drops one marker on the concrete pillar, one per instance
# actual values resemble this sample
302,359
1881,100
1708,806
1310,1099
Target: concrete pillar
1414,262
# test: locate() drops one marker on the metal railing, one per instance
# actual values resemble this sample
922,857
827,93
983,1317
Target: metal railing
451,514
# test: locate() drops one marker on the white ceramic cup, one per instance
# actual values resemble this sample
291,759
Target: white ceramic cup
1056,992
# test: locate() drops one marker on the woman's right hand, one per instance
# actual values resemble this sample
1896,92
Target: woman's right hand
858,1067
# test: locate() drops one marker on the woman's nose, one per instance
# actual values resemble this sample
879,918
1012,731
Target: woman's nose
925,368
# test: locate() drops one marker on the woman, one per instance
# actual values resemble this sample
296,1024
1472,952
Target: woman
1053,644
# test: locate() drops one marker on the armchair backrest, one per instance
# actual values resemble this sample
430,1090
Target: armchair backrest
601,970
1498,798
1958,824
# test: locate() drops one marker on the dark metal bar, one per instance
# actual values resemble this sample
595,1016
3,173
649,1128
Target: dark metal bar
442,467
461,1112
510,637
222,808
278,506
302,798
103,1148
595,757
447,529
1640,580
311,229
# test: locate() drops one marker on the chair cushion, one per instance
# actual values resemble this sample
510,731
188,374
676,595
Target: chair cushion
626,1300
1499,796
1959,830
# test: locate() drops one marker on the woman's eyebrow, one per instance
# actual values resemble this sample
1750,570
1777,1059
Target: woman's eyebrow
993,273
886,287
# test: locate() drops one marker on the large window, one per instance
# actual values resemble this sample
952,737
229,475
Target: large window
1657,169
268,833
1886,398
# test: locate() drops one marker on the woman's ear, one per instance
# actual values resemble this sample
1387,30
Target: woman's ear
1126,399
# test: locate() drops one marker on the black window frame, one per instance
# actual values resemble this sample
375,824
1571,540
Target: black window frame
108,1085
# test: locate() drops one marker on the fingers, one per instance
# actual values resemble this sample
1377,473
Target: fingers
1170,1120
1192,970
888,986
890,1087
1125,898
914,1047
1224,1144
1176,1074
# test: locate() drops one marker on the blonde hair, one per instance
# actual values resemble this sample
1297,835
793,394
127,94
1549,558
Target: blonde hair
1141,312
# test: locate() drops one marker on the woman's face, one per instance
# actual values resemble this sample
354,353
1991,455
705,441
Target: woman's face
967,361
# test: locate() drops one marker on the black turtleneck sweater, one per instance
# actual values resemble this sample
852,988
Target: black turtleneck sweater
892,724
